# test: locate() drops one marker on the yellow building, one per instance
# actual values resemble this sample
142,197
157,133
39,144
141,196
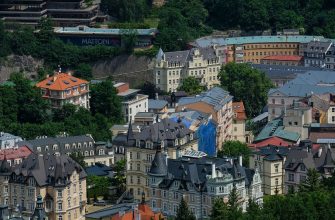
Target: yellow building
58,180
270,162
254,48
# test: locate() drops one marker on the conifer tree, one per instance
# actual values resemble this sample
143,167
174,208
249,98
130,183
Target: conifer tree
183,212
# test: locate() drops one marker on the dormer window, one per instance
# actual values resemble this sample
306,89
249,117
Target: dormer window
191,137
148,144
162,144
176,142
54,147
138,143
176,183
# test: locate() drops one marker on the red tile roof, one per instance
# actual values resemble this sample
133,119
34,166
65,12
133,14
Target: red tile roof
15,153
271,141
239,110
283,58
144,211
60,82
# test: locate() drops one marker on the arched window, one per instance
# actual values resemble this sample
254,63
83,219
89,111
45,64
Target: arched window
85,144
101,152
86,153
91,152
74,146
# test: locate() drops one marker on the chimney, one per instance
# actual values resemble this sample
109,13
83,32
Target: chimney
54,78
48,76
320,152
240,160
156,96
69,73
213,170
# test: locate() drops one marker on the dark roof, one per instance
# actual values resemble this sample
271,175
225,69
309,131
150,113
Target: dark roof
158,166
272,152
298,156
110,211
49,169
191,171
98,170
318,46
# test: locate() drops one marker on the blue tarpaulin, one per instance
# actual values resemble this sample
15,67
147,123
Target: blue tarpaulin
207,138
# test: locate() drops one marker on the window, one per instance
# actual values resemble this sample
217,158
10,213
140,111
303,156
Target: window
131,180
138,191
273,101
282,101
138,167
149,157
138,180
295,123
276,182
60,217
60,206
333,118
276,168
130,166
31,193
138,155
101,152
291,177
131,155
91,152
302,178
333,109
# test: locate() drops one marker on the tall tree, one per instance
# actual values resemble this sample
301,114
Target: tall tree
235,211
235,149
191,85
246,84
104,100
83,70
312,182
219,210
183,212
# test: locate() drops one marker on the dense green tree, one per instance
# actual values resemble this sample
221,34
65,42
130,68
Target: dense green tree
183,212
235,149
120,178
31,106
84,71
191,85
129,40
219,210
150,89
97,186
66,111
235,211
79,158
246,84
104,100
312,182
8,105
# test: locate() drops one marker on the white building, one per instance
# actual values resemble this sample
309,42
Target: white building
202,63
132,102
8,140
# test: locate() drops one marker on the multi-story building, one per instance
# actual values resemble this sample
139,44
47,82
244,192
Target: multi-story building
15,156
61,12
199,181
171,68
284,60
311,82
315,53
8,140
63,88
270,162
59,180
217,103
140,148
93,152
238,132
304,157
253,49
132,102
330,58
297,118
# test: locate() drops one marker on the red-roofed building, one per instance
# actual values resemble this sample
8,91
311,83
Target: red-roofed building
239,133
15,155
275,141
62,88
143,212
285,60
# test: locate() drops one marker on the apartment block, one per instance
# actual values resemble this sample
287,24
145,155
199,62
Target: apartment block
57,181
171,68
139,149
315,53
63,88
239,132
132,102
269,161
217,103
200,180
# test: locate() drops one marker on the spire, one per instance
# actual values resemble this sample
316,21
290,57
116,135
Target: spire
39,212
130,134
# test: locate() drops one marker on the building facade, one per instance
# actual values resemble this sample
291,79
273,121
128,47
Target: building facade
171,68
315,53
132,102
330,58
139,149
63,88
217,103
59,180
93,152
285,60
8,140
199,181
238,131
270,162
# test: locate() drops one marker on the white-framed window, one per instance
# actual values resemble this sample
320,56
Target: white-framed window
91,152
60,206
101,152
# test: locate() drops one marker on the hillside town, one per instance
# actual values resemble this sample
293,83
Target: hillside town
135,110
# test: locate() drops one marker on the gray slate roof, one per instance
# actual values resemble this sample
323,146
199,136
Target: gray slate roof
6,136
312,82
216,97
49,169
272,153
156,104
194,172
